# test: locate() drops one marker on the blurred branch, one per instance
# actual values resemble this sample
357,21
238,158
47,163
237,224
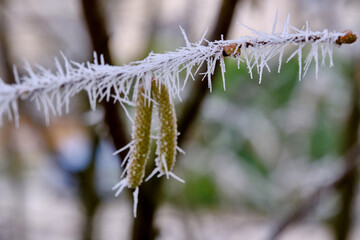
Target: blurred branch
200,88
95,22
14,163
150,193
96,25
352,163
87,188
4,45
343,220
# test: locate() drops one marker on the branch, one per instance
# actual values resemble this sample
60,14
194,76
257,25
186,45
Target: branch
52,91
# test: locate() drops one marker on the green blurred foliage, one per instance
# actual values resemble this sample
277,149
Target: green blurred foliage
247,156
200,190
324,137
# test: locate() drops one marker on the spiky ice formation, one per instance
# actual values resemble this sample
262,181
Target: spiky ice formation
52,91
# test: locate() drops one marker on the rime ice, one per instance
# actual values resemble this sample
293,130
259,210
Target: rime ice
52,91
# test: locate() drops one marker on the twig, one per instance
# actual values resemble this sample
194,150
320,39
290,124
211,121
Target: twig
52,91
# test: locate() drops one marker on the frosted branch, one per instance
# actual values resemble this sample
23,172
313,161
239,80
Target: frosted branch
52,91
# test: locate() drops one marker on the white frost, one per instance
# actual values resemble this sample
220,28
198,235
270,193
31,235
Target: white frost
52,91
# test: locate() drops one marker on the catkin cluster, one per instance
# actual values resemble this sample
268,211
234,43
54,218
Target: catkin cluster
166,139
141,138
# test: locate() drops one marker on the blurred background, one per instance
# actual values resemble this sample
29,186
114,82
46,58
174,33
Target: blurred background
254,153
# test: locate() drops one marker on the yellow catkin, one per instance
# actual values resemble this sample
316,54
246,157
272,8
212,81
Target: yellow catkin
141,140
167,141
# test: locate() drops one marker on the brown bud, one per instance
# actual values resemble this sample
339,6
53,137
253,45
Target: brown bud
231,50
348,38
